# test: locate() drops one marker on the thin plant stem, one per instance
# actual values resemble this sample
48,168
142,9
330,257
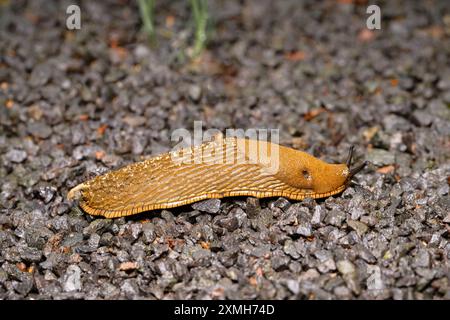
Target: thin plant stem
200,12
146,10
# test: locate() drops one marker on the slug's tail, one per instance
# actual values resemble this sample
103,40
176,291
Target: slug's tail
75,193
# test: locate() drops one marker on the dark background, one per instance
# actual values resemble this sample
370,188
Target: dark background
74,104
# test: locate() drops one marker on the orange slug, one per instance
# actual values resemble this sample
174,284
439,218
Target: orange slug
225,167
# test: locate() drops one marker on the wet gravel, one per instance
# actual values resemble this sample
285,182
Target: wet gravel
75,104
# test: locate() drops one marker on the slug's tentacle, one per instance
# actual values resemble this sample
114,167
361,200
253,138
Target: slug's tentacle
357,169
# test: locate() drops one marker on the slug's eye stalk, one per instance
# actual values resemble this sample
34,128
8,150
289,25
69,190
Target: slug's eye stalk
356,169
350,156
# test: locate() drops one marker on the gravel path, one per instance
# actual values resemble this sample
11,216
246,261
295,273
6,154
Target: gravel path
74,104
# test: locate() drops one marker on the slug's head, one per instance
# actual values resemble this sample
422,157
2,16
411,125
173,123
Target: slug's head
333,177
319,176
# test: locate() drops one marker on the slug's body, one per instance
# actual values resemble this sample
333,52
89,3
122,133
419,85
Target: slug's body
206,171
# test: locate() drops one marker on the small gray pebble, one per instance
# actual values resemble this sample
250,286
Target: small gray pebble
16,156
210,205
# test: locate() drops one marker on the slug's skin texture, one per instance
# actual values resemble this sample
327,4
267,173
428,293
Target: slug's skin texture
160,182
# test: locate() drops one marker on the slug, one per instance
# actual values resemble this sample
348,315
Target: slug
224,167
